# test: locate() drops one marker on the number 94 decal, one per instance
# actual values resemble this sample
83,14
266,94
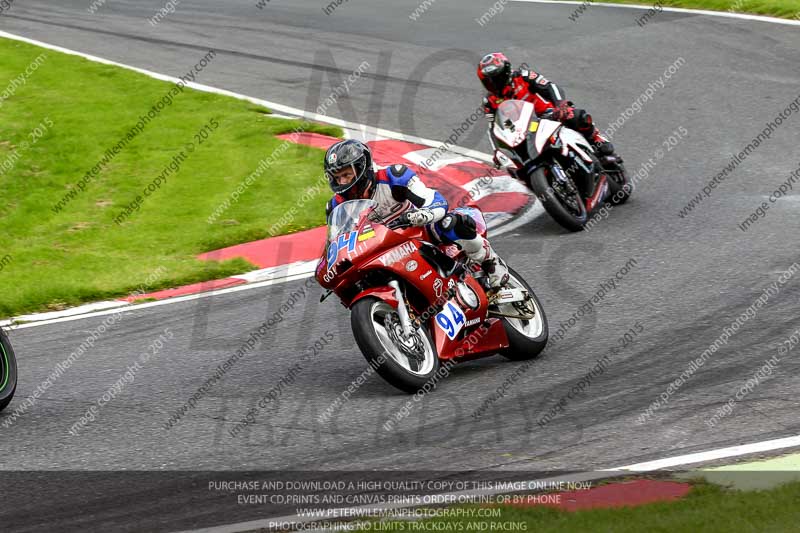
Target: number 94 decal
345,240
451,320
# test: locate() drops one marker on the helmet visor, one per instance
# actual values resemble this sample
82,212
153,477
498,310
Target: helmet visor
495,80
343,178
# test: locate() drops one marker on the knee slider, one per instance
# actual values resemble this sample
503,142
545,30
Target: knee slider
456,226
464,226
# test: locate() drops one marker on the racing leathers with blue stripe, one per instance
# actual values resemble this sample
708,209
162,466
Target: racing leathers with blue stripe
399,190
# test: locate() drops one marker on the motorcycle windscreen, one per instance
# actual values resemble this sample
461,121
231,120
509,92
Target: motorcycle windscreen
511,122
345,216
342,224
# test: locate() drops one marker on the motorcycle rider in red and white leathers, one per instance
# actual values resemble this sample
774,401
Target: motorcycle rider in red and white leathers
503,83
402,196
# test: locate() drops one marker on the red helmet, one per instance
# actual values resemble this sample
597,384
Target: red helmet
494,71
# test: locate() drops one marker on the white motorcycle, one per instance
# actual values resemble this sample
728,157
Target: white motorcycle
557,163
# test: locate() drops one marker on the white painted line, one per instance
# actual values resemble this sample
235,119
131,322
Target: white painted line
683,460
278,115
277,272
80,310
723,14
713,455
178,299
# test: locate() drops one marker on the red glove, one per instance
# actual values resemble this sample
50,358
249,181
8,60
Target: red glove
563,111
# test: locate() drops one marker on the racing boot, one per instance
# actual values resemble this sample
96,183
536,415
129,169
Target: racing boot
605,150
479,251
609,160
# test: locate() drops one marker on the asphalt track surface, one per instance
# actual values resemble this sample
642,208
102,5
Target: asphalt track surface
693,276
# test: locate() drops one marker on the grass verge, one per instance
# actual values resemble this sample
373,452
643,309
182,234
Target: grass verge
707,508
66,239
788,9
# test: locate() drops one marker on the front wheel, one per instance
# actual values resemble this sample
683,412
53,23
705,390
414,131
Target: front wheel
8,371
408,363
561,200
526,338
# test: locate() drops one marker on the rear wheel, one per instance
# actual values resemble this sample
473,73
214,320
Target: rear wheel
408,363
561,200
8,371
527,337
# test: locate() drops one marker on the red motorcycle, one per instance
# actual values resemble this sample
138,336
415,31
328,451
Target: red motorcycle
415,305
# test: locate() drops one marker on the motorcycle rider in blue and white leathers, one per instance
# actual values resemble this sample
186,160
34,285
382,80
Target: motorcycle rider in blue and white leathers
401,196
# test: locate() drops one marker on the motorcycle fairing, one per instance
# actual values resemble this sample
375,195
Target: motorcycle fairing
511,121
435,288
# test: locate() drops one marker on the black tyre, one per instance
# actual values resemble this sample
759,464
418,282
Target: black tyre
619,184
527,338
568,210
377,331
8,371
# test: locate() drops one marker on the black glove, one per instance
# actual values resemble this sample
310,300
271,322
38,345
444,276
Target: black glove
399,222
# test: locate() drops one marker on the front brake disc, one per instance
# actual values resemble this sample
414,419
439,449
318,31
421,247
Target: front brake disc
412,346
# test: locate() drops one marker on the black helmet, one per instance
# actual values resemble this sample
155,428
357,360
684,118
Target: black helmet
355,154
494,71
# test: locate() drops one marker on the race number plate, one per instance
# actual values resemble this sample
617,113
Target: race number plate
451,319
